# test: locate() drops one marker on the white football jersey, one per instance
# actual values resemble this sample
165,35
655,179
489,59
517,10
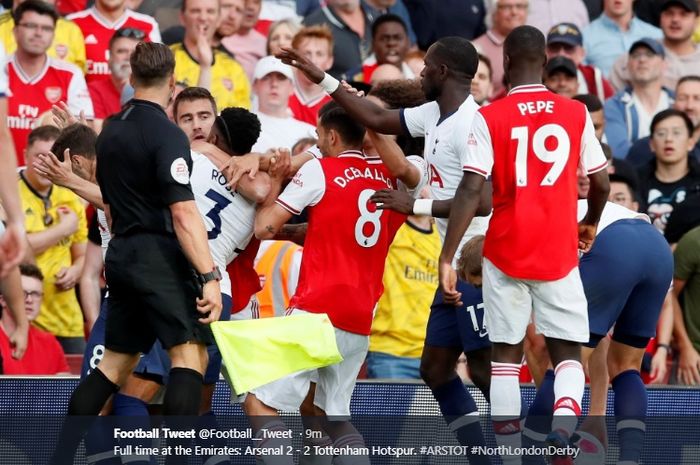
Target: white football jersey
105,234
445,142
228,216
611,212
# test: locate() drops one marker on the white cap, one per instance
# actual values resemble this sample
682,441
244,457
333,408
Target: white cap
270,64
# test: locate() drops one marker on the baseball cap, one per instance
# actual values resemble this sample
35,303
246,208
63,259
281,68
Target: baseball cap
561,63
270,64
565,33
688,5
651,44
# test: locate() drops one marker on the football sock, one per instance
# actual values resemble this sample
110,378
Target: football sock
630,413
506,408
569,382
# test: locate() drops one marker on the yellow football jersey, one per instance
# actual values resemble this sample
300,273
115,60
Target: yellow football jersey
410,280
60,311
229,83
68,42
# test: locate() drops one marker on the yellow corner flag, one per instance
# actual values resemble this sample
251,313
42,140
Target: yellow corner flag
257,352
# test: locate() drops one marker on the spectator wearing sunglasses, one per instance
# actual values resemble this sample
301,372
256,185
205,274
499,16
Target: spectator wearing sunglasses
99,23
106,93
68,42
57,233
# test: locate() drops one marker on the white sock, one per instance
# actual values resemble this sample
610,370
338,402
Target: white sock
505,408
569,381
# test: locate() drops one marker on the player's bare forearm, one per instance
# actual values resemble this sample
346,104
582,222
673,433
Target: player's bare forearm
292,232
597,196
257,189
394,159
464,206
192,235
665,327
90,284
680,333
269,221
89,191
9,195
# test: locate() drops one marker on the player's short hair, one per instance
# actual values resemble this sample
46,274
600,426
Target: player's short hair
303,142
151,64
458,54
31,271
525,46
388,18
471,258
80,139
240,127
317,31
43,133
591,101
190,94
668,113
333,116
127,33
36,6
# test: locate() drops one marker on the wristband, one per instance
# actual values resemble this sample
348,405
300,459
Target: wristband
665,346
329,83
423,207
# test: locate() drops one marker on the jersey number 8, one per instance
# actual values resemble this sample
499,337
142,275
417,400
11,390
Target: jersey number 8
367,217
557,157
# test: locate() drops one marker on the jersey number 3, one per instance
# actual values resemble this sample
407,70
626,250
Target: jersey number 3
368,221
220,202
557,156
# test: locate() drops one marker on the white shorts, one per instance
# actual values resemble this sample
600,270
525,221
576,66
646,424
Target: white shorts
559,308
335,383
249,312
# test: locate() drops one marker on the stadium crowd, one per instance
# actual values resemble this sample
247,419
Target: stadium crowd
634,64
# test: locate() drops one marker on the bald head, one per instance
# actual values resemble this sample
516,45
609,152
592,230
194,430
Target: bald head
458,54
524,49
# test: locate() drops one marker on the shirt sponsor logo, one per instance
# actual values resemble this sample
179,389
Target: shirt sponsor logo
179,171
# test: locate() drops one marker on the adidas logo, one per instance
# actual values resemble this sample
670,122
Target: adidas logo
566,403
91,40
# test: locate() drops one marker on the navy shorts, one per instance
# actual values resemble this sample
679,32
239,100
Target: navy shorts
626,277
450,326
155,363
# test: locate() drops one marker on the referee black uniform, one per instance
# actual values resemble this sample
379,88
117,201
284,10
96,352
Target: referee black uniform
143,166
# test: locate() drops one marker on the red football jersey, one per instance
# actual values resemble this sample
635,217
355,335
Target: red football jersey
31,97
531,143
347,240
306,110
98,31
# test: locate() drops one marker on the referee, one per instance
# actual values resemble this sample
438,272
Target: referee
158,261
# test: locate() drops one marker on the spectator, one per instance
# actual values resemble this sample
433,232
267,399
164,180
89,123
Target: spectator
481,84
57,233
561,76
410,280
99,23
36,81
623,191
678,20
565,39
667,180
434,19
349,23
686,321
44,355
247,44
630,111
198,64
389,46
687,101
316,44
504,16
595,109
281,34
231,19
273,85
385,72
377,8
106,93
68,43
544,14
612,34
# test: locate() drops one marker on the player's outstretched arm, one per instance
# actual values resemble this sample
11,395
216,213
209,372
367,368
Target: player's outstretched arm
394,159
369,114
403,202
464,208
597,196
